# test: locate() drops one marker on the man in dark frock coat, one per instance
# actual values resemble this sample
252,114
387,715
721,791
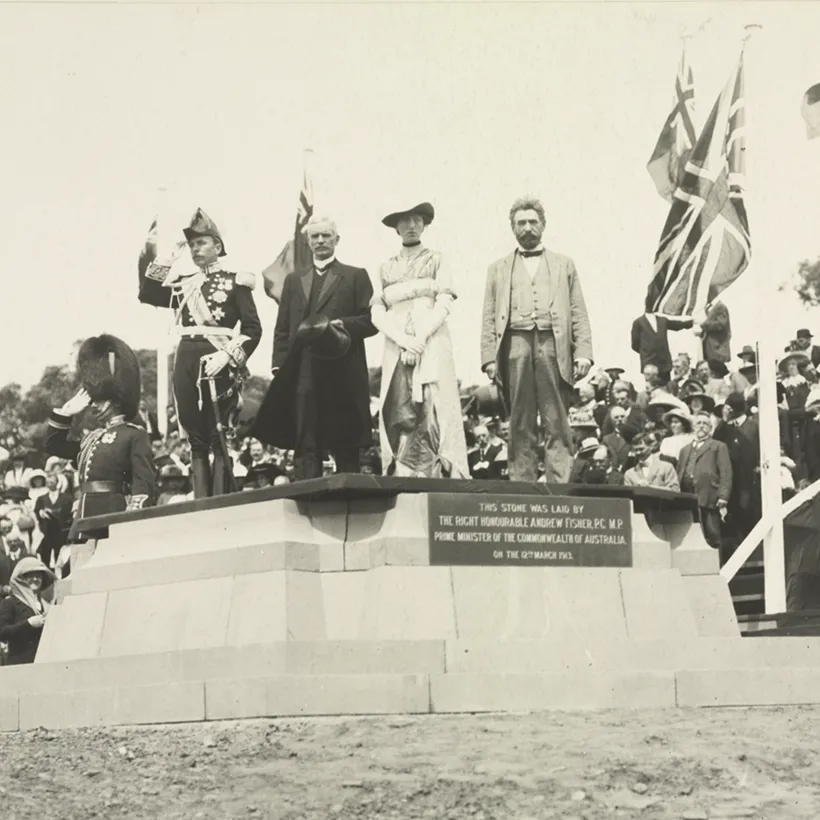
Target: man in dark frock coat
320,403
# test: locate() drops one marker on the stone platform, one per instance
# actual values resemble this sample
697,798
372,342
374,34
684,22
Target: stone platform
319,598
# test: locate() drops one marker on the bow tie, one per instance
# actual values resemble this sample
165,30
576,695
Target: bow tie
529,254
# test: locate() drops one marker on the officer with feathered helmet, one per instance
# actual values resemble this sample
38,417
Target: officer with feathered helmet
219,328
114,462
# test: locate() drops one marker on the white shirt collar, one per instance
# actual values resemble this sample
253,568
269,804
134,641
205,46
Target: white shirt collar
321,265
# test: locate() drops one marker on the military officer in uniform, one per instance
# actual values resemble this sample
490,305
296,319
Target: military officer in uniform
115,469
219,329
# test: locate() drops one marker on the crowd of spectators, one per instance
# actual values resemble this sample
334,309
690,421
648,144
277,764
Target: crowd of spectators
692,427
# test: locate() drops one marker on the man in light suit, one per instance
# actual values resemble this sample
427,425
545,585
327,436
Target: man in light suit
705,469
536,341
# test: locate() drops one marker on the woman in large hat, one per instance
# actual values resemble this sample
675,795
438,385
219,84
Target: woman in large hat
678,421
23,612
219,328
115,468
421,431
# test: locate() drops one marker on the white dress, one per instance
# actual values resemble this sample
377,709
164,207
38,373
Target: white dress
421,431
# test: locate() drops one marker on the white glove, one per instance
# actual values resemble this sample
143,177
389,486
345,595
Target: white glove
76,404
167,253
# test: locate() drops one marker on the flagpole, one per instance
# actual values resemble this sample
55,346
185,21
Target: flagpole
774,567
164,342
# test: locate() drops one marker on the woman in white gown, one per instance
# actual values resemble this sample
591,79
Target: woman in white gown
421,430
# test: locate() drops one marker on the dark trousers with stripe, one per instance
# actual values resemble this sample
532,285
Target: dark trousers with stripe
200,424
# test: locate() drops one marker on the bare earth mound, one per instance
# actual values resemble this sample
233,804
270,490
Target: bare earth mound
755,763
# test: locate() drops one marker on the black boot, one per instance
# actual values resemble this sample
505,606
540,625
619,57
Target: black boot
222,478
201,475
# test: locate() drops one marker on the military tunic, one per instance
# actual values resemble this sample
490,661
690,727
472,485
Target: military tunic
115,467
208,307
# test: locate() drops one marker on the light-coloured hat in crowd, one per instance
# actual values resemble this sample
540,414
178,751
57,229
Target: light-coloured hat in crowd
682,414
36,474
795,355
669,401
588,445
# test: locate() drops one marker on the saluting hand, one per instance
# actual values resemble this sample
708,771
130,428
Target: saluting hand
76,403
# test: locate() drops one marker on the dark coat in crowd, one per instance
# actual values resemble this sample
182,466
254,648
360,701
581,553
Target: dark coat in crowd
711,470
652,344
22,638
717,333
486,467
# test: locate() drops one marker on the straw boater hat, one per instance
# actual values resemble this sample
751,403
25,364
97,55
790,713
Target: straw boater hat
424,209
796,355
682,414
202,225
588,445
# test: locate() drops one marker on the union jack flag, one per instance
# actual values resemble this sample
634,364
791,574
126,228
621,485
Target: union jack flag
705,244
296,254
677,136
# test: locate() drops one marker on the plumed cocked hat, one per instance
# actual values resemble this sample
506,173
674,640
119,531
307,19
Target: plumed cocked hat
202,225
108,369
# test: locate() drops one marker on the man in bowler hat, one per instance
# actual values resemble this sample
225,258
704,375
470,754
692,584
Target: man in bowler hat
319,400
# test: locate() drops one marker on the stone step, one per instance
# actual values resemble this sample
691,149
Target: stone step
253,661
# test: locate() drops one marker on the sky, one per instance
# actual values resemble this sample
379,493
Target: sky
465,105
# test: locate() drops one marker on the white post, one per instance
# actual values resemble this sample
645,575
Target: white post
163,352
774,567
164,343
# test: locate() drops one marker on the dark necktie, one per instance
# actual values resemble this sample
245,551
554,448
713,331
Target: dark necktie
530,254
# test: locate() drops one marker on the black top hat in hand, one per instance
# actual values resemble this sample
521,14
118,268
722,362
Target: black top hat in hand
325,339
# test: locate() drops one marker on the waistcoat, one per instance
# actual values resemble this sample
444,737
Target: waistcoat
530,297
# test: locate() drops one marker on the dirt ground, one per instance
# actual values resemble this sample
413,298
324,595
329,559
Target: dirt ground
755,763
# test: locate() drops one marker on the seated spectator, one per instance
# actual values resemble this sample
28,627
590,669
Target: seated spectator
650,471
583,460
54,466
37,486
661,403
15,552
174,486
795,385
678,422
601,470
652,383
19,475
262,475
681,372
583,429
23,612
482,461
499,433
705,469
621,398
737,380
585,408
16,507
617,442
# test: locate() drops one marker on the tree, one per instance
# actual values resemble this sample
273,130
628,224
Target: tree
806,283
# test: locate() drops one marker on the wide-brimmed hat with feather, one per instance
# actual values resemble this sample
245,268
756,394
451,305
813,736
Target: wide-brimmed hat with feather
108,369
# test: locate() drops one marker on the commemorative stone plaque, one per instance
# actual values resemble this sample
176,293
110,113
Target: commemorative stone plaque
529,530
